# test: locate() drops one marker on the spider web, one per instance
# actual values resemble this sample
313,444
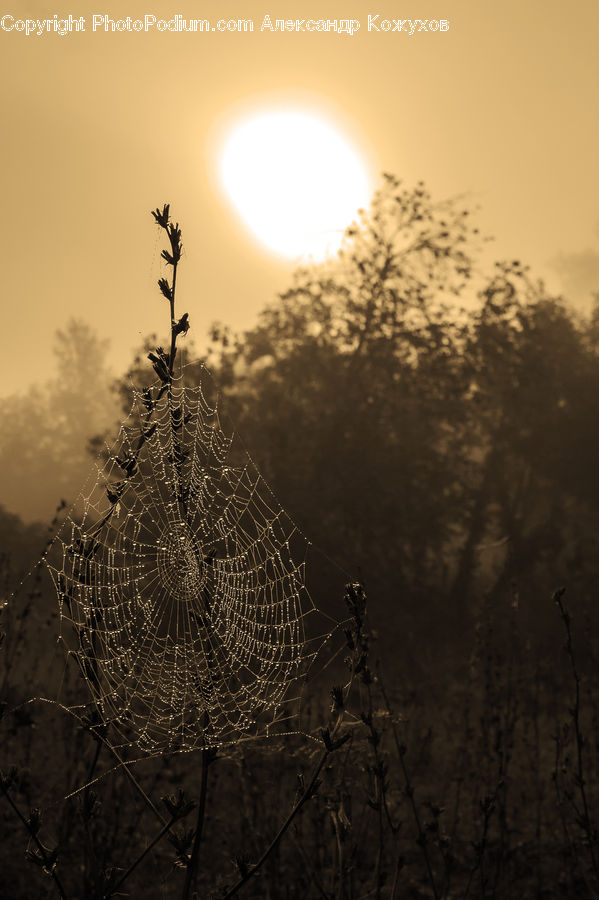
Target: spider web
181,585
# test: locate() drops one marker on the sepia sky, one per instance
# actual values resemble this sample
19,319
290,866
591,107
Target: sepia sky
98,128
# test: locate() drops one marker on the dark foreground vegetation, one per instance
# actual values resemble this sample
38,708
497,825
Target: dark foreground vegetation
477,779
438,440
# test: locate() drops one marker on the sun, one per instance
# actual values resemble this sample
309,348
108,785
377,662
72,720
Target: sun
295,180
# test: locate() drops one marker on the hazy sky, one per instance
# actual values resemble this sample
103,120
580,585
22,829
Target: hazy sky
99,128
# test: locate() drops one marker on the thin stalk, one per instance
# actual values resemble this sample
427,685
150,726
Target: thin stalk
173,331
174,236
341,884
90,856
136,784
380,790
92,768
101,738
191,876
49,868
308,867
397,872
487,806
409,789
575,713
130,776
139,859
276,840
91,853
573,859
483,848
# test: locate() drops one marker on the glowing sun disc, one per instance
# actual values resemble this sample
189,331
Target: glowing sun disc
295,181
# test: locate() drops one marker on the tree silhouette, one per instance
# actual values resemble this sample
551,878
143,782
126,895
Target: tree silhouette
432,438
45,432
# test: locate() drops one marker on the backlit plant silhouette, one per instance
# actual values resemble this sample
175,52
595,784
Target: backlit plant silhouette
180,577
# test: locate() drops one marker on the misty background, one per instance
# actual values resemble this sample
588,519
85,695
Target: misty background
424,406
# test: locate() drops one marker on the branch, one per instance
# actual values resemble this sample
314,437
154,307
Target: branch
409,789
139,859
330,747
585,817
49,864
191,876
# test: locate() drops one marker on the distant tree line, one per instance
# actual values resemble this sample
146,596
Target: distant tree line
432,429
45,431
436,438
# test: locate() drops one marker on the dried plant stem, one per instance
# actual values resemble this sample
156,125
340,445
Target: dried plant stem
488,810
191,875
487,806
122,764
94,763
585,818
138,787
50,868
140,858
91,854
309,868
396,873
132,779
173,349
380,800
340,862
559,802
164,365
305,796
409,789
